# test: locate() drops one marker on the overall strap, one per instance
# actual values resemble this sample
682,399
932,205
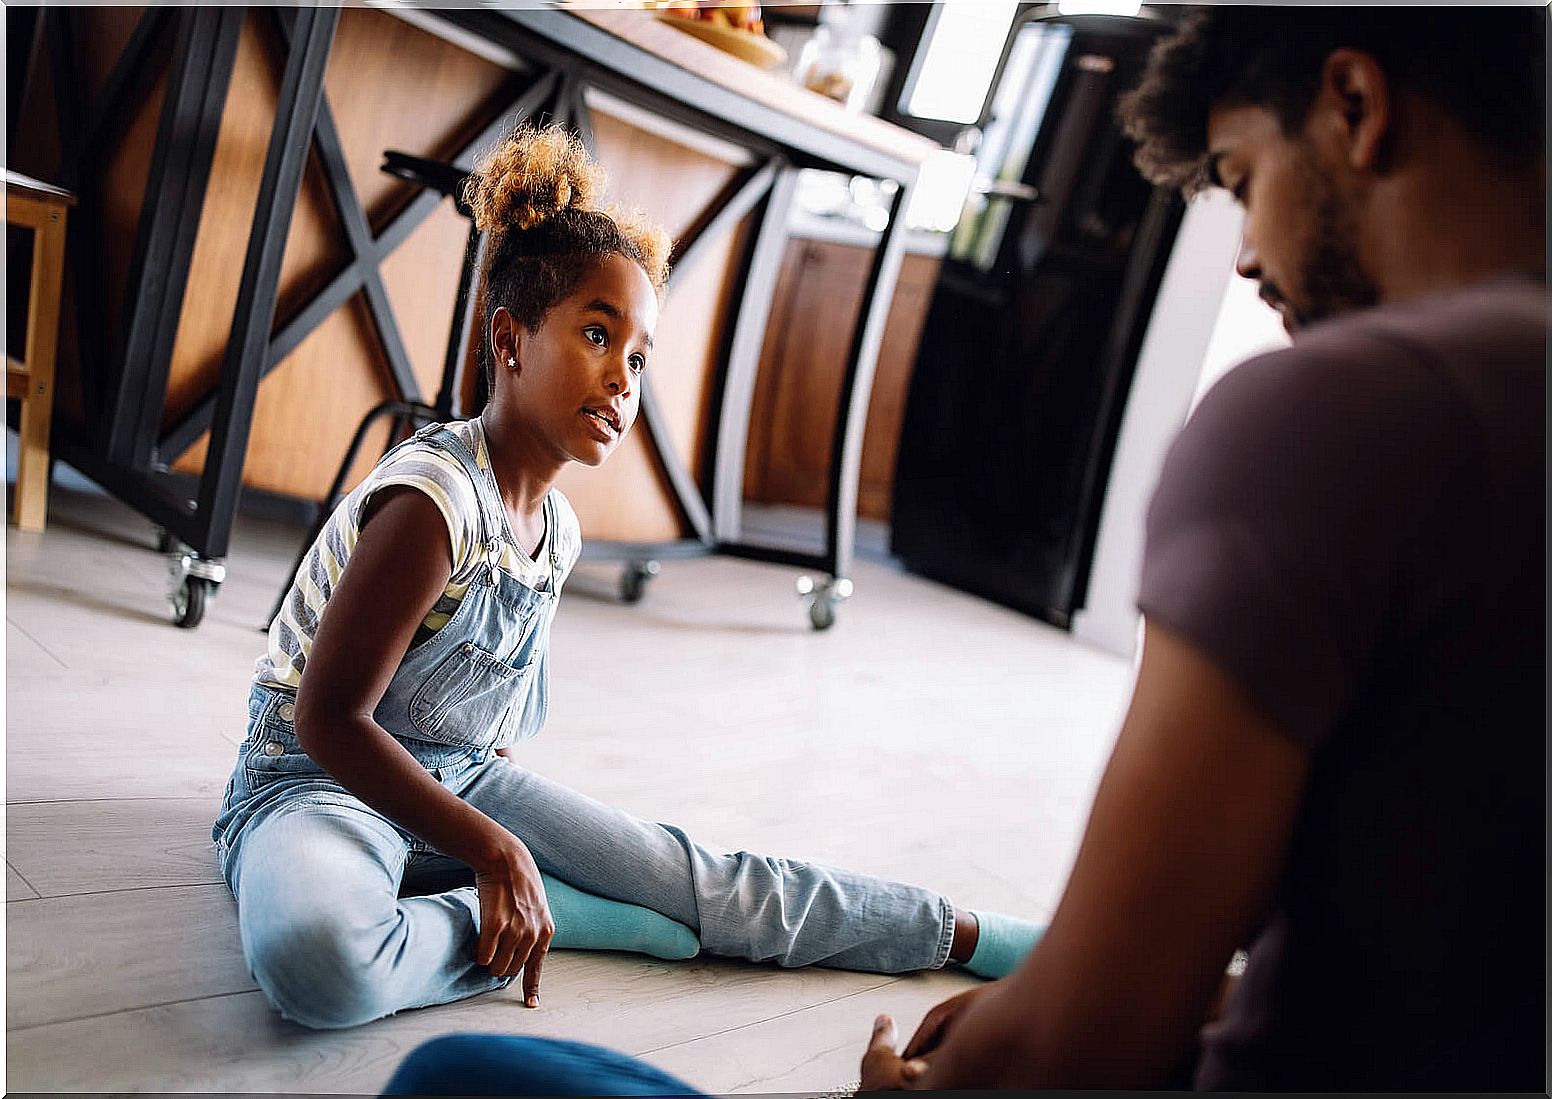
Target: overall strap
552,538
491,523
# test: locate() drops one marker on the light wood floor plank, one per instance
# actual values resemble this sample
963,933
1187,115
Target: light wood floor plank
97,846
16,887
70,957
238,1044
111,761
928,737
806,1052
25,658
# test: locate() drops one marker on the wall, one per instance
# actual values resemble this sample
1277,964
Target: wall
1206,319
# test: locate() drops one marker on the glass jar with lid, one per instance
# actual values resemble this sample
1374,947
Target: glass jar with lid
839,62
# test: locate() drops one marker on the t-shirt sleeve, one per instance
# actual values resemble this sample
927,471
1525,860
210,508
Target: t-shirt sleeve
439,476
1297,513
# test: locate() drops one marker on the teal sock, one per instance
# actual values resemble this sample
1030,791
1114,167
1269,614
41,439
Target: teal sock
584,921
1001,944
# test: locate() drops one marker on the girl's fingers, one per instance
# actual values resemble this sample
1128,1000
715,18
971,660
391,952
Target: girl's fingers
531,971
507,954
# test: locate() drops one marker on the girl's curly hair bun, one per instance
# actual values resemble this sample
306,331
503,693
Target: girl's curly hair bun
537,195
530,177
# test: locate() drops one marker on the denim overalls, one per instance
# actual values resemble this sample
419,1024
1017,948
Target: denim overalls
317,873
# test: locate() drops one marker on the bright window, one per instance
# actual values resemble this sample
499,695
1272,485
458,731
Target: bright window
956,69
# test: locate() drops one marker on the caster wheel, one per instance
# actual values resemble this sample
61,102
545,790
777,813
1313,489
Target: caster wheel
821,613
633,581
192,582
823,599
190,600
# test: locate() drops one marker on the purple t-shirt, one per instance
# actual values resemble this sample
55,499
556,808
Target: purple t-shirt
1354,530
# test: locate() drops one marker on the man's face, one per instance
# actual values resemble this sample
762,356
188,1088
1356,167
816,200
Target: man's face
1300,237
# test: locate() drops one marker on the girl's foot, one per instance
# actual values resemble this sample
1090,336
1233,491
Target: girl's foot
584,921
990,944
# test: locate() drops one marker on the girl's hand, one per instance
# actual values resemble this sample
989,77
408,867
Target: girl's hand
515,923
936,1024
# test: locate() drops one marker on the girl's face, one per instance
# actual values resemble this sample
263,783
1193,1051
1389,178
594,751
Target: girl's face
577,380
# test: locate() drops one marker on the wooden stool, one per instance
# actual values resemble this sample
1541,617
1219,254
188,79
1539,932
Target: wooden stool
41,208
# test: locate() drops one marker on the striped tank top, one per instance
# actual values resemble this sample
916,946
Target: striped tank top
432,470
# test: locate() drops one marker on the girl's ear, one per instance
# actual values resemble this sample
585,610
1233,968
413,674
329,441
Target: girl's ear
506,339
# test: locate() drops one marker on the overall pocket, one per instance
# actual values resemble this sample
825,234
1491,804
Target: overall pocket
465,700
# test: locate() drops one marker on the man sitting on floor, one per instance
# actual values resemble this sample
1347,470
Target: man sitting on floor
1335,751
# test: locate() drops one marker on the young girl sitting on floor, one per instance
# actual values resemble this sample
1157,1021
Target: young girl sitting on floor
412,651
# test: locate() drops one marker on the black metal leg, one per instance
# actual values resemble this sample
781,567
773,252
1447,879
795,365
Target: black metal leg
735,201
103,120
578,118
687,494
67,87
301,91
358,233
205,52
463,324
21,51
742,193
343,286
129,71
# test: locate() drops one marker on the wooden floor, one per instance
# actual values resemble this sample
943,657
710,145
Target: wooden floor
929,736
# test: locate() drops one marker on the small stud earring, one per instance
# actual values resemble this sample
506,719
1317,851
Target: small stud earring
511,363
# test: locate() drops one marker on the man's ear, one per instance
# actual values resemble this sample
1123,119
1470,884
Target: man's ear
1355,90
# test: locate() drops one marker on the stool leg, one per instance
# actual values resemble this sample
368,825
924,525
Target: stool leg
32,458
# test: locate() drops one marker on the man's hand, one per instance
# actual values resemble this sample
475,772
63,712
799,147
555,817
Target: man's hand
936,1024
883,1069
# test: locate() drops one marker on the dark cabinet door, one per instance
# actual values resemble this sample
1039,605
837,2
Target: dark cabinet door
1026,361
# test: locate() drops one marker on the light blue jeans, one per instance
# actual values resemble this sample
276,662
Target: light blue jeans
318,878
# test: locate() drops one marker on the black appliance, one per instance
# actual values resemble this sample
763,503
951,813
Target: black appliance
1030,343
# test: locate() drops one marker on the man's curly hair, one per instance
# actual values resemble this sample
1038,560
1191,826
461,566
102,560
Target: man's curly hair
1484,65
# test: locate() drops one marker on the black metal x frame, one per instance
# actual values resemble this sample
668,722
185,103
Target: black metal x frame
565,56
133,388
780,145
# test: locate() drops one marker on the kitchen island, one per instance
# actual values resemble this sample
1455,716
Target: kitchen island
258,283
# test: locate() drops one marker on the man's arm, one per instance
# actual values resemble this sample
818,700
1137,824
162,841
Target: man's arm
1183,850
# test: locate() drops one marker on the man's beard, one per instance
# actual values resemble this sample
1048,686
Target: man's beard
1333,281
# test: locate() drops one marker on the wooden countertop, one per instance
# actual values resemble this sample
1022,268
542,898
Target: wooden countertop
633,55
773,89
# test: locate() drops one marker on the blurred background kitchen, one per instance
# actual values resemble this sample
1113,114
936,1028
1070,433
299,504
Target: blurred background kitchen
858,589
977,385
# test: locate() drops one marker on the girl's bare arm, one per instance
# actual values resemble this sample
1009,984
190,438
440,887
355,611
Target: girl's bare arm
399,568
